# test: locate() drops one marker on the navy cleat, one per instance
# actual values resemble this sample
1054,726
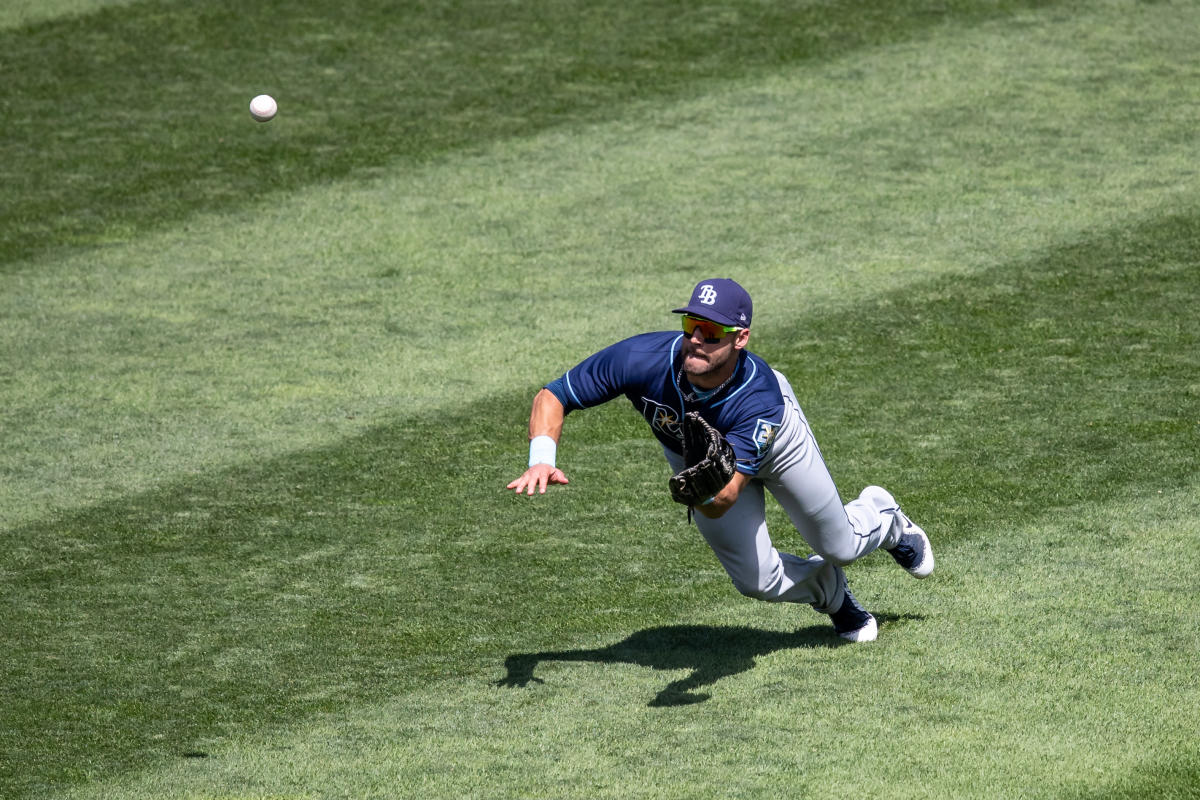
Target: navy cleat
914,552
853,623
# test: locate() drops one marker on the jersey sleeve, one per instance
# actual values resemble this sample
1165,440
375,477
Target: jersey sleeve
752,438
600,377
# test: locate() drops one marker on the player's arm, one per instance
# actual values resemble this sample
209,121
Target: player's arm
723,500
597,379
545,429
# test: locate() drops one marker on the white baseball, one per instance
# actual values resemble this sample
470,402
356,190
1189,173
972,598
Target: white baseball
263,107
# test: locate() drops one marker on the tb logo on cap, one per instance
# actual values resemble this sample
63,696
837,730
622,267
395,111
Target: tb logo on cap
707,294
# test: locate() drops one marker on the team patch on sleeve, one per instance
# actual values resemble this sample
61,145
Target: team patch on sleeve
764,435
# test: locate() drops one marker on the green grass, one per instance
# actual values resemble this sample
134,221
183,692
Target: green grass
261,396
129,117
17,13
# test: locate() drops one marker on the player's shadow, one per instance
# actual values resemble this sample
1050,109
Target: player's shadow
711,653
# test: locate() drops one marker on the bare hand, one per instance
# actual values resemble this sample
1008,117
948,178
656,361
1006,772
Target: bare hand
538,477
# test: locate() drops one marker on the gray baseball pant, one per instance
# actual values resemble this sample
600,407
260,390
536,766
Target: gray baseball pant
796,476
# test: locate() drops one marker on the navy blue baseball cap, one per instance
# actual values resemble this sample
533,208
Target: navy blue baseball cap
721,300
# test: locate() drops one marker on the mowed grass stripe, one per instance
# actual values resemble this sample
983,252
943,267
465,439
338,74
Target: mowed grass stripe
348,574
131,117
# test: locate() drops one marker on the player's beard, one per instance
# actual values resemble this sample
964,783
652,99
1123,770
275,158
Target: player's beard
695,367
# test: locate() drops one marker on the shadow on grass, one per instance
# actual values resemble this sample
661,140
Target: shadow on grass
710,652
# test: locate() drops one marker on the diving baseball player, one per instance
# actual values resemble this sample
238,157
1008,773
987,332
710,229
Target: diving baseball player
731,430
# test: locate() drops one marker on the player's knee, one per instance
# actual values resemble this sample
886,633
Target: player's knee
758,590
841,555
751,591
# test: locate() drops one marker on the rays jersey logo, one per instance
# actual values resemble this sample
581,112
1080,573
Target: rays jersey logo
662,418
764,435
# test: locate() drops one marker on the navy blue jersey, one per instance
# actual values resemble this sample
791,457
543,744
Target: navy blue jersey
645,368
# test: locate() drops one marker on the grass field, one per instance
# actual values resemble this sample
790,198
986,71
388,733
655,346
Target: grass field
263,385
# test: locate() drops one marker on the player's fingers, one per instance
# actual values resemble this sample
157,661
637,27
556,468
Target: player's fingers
521,483
536,479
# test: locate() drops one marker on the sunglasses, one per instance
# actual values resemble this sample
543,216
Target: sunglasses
711,331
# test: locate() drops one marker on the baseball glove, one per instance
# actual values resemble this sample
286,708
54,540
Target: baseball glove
708,459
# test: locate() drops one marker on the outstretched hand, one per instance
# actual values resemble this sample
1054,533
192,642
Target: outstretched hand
538,477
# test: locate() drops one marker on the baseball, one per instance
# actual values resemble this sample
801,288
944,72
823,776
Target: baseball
263,107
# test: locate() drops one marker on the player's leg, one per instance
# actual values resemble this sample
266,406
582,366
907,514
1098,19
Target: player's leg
741,542
795,473
905,542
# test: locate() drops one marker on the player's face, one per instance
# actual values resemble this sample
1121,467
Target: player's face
707,361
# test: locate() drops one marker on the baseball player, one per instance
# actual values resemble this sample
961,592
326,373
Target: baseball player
731,430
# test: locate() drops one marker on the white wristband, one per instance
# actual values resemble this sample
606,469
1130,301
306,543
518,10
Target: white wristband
542,450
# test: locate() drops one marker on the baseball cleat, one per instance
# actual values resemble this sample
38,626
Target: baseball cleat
914,552
853,623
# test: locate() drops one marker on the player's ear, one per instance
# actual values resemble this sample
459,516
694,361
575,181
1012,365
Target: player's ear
743,337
